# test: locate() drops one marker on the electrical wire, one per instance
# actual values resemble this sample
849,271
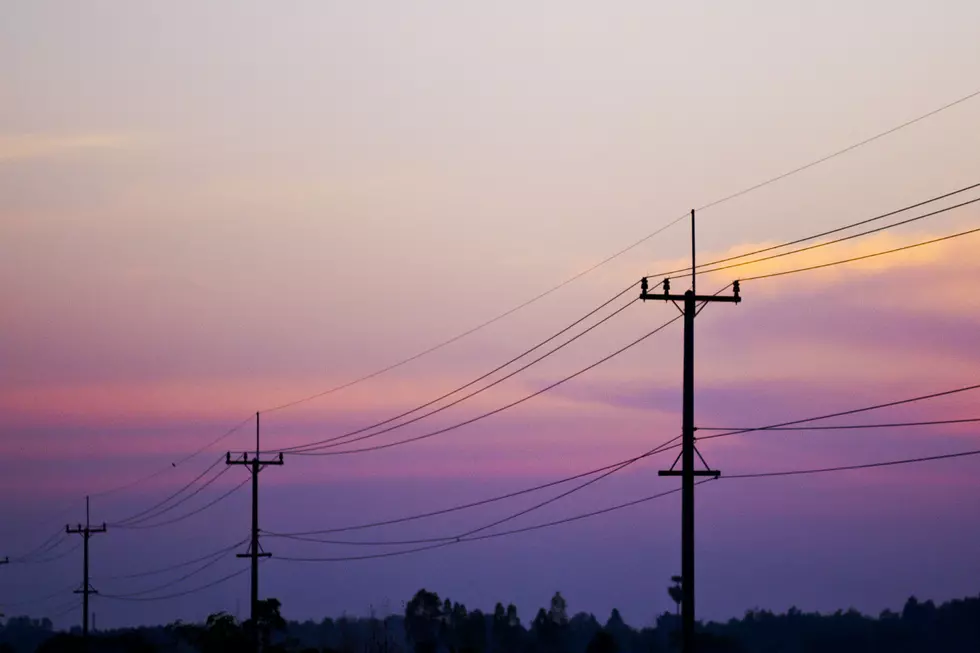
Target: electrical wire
609,470
165,597
470,383
140,515
458,507
65,609
193,512
796,424
864,257
331,442
843,413
58,538
176,463
843,238
666,446
559,286
487,536
39,599
819,235
626,249
215,559
179,565
847,427
495,411
63,554
847,149
628,504
844,468
182,501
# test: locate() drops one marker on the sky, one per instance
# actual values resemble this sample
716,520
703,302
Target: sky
213,209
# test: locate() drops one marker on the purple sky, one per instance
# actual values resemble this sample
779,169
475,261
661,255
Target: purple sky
211,210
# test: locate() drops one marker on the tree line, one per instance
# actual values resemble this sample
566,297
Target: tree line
430,624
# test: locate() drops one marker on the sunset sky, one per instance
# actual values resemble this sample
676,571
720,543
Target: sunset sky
212,209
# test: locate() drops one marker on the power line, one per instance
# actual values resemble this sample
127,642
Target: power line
482,416
619,253
557,287
844,468
819,235
862,258
458,507
165,597
54,558
193,512
470,383
612,469
311,448
50,544
792,425
179,565
625,505
485,536
175,463
330,443
843,238
215,559
566,520
850,148
39,599
137,517
183,500
843,413
65,609
845,427
658,449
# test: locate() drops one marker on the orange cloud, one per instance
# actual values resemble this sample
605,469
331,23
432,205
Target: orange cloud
17,147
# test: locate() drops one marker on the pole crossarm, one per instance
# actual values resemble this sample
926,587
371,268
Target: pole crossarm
666,296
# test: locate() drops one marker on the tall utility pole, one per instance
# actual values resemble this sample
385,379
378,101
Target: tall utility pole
86,532
255,465
691,301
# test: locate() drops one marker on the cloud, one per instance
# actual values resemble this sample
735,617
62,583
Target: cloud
19,147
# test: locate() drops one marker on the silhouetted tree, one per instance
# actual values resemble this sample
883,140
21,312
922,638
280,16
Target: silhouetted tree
423,619
675,592
602,642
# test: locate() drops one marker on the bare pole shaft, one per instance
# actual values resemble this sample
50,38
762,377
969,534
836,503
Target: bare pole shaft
255,537
85,585
687,481
687,462
694,264
85,581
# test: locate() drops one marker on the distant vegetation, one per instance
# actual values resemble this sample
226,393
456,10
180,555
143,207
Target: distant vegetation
431,624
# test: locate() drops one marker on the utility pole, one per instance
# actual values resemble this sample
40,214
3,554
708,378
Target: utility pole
5,561
86,532
691,301
255,465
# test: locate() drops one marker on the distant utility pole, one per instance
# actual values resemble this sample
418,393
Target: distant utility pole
5,561
691,301
255,465
86,532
